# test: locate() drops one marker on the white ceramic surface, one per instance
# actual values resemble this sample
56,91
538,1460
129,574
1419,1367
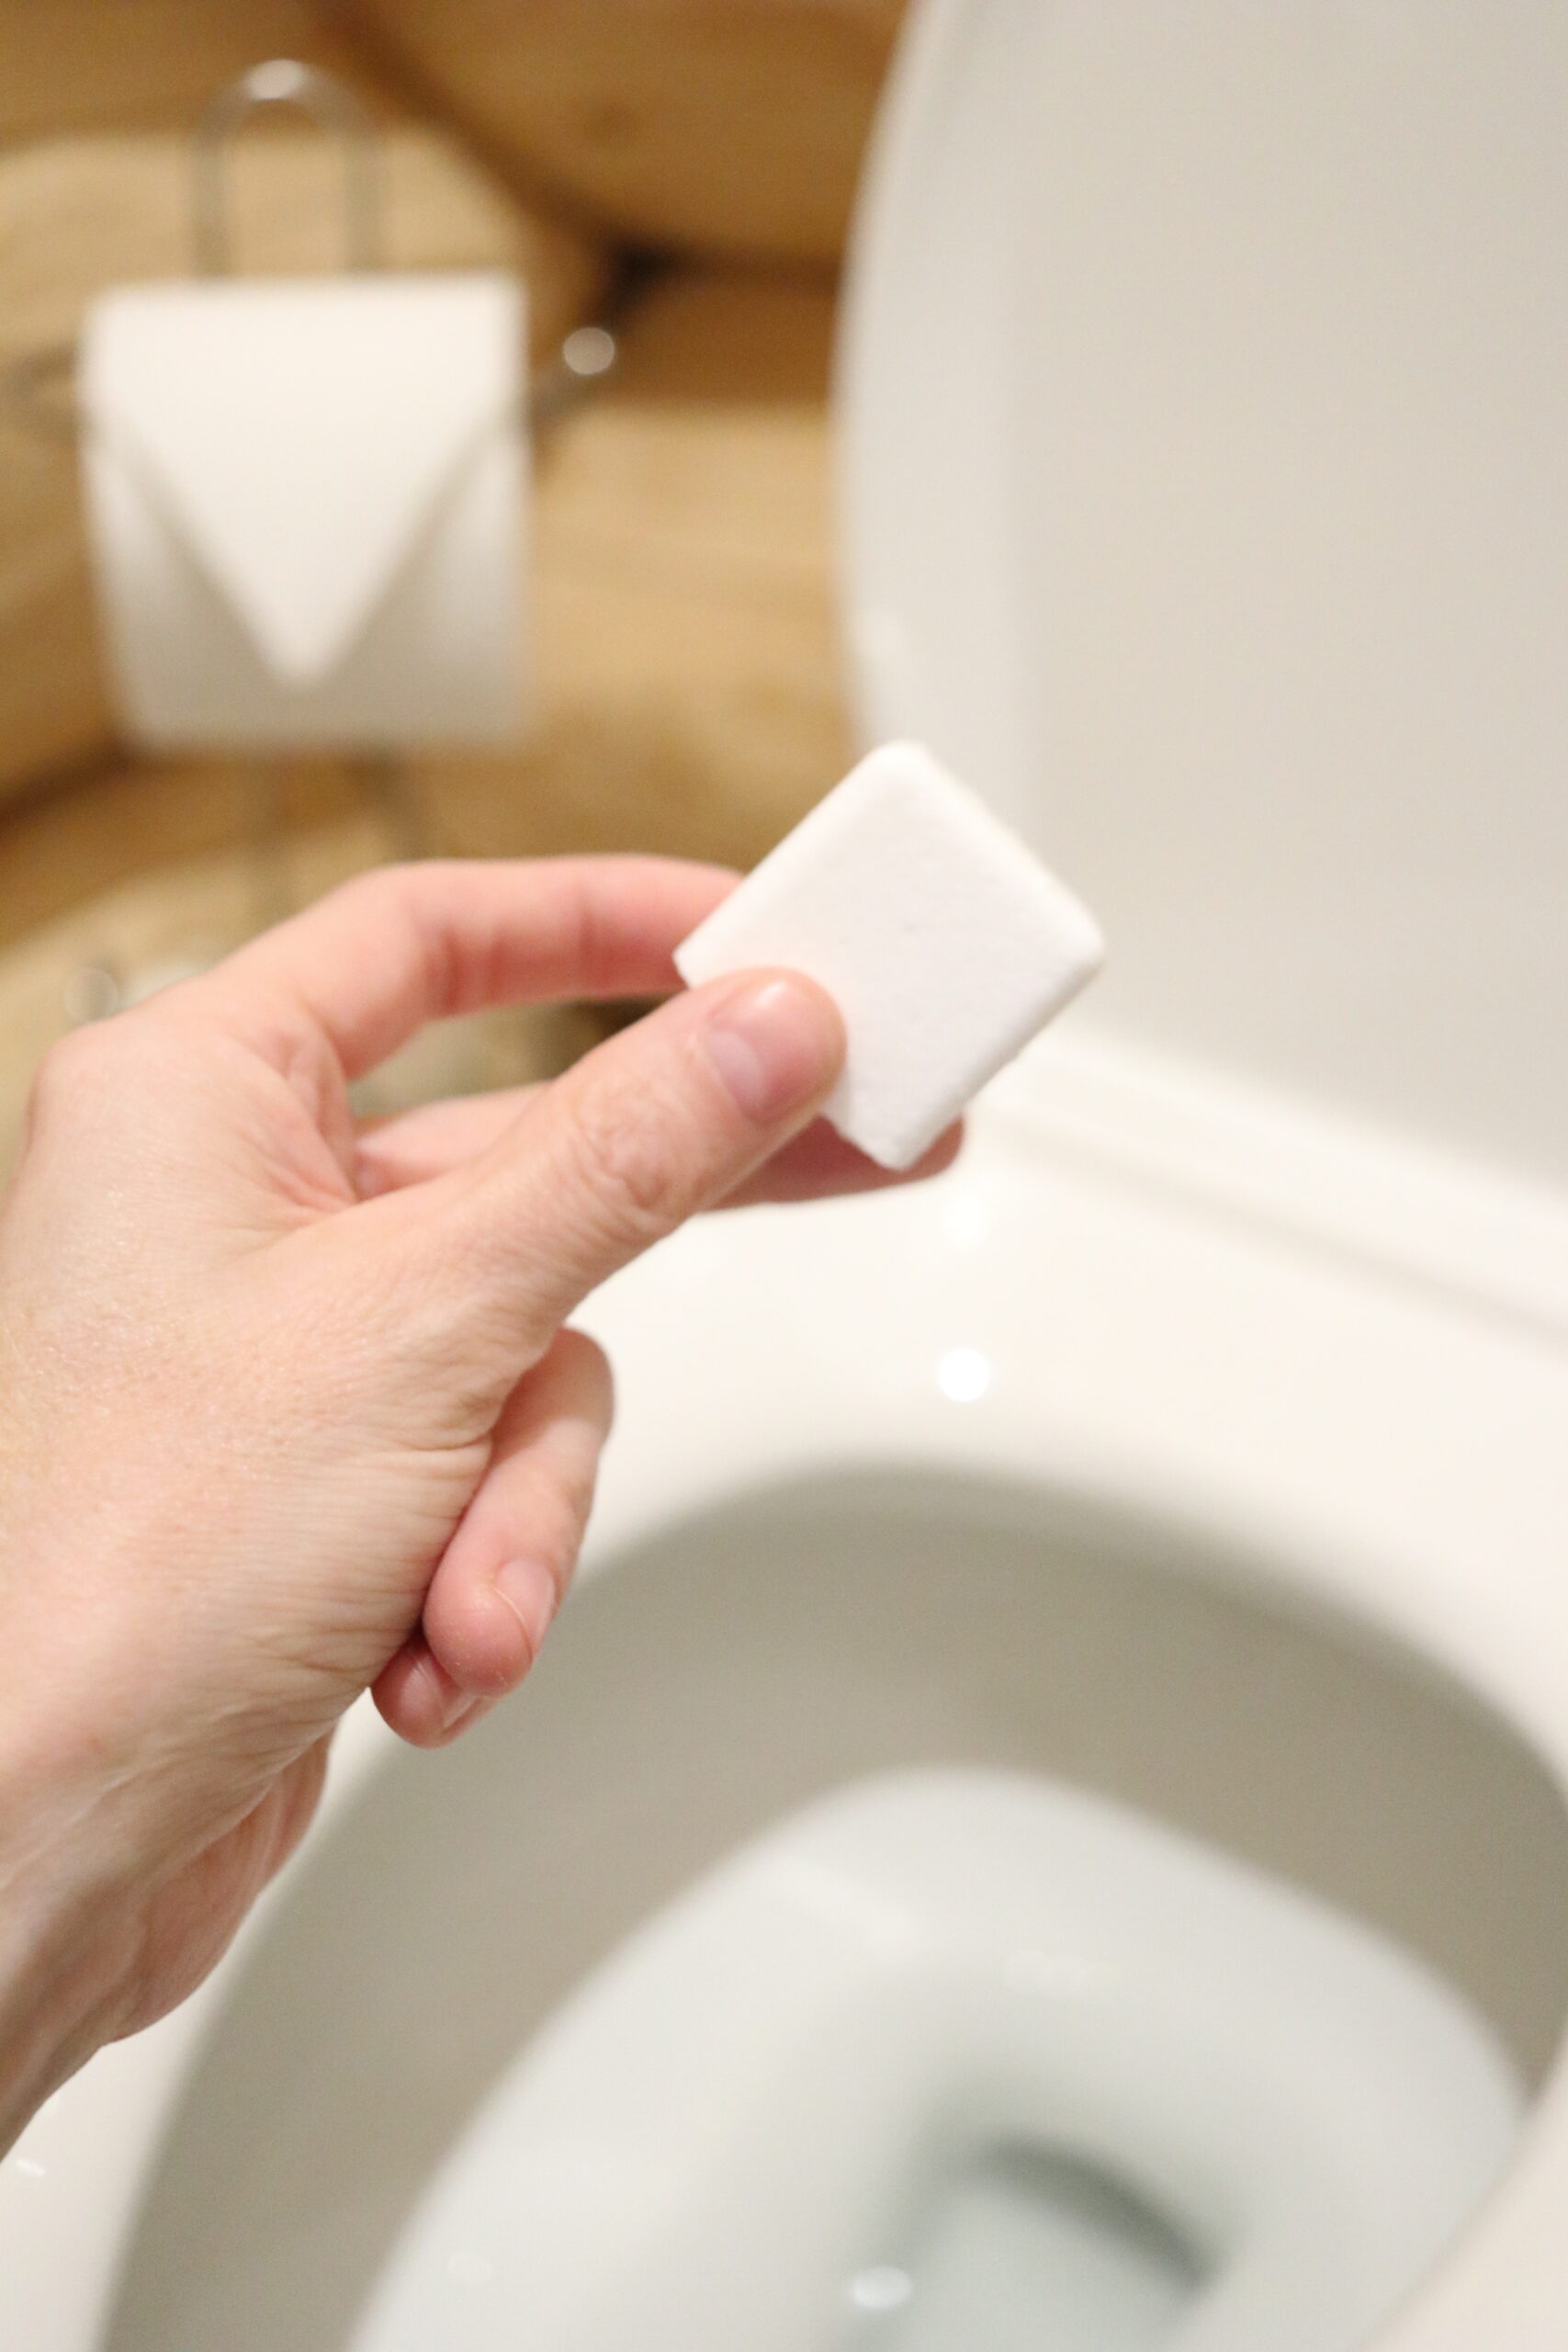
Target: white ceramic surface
1082,1320
1205,464
750,2129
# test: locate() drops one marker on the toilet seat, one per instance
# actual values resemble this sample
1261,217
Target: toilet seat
741,2133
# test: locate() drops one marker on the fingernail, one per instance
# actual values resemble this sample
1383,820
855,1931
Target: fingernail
772,1047
529,1592
460,1703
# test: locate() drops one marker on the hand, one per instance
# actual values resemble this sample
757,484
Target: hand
289,1409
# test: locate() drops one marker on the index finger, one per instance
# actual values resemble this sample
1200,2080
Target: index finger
375,960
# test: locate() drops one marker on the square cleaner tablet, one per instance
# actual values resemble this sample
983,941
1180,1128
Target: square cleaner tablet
942,940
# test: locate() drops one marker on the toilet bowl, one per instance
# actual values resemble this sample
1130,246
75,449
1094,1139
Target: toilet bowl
874,1517
958,2058
1048,1810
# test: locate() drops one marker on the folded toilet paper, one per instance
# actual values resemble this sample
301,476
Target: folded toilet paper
304,502
943,941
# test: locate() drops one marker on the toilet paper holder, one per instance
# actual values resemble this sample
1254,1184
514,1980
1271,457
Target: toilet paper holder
337,111
35,386
39,390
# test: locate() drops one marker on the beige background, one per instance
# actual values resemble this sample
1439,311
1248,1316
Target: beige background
682,168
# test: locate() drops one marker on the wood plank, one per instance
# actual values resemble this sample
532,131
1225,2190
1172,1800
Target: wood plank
143,64
726,127
178,917
685,626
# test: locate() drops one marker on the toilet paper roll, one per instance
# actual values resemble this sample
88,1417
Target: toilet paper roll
305,501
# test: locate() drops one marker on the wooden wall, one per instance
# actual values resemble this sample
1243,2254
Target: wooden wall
688,695
729,127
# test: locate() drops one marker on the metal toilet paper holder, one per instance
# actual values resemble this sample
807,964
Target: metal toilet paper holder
340,115
339,112
37,387
38,391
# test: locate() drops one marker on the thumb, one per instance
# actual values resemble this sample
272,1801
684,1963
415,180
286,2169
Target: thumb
660,1122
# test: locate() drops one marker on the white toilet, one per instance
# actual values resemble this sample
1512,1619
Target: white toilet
1046,1820
1086,2085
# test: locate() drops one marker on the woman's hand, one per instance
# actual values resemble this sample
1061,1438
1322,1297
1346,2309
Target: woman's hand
288,1410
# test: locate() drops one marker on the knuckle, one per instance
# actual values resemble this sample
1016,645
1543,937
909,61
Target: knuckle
73,1070
627,1167
112,1067
373,887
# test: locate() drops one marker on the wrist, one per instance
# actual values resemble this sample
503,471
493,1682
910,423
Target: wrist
62,1979
67,1941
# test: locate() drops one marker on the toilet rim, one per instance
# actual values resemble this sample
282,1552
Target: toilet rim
1472,1576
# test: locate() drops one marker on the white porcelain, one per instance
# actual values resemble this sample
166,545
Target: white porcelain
828,2092
1206,473
1065,1353
1201,1441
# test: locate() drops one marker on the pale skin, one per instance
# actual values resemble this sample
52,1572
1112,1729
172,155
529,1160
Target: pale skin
291,1409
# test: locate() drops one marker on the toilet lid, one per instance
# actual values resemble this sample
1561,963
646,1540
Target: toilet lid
1206,495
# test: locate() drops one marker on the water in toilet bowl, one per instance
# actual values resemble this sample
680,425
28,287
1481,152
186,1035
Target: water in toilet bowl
964,2062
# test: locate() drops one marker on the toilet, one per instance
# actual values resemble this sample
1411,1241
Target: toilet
964,2059
1045,1821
